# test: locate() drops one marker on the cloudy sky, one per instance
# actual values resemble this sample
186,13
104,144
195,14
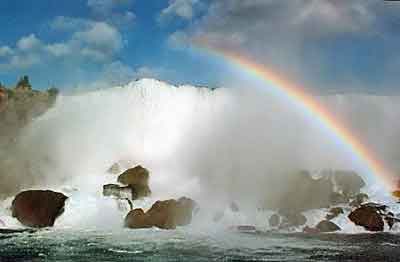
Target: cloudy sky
327,45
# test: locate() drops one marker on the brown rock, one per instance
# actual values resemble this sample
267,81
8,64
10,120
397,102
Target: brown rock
134,176
326,226
37,208
274,220
137,219
167,214
367,217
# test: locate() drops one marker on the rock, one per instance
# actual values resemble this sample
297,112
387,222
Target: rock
367,217
390,219
167,214
184,211
37,208
114,169
137,219
326,226
305,193
359,199
234,207
338,198
310,230
348,182
292,219
334,212
134,176
140,191
111,190
274,220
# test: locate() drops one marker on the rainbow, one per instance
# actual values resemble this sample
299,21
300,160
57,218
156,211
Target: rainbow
311,106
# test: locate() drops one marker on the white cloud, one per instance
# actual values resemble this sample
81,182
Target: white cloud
29,43
184,9
87,40
114,12
5,51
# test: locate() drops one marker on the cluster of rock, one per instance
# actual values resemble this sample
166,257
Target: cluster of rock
339,191
134,184
167,214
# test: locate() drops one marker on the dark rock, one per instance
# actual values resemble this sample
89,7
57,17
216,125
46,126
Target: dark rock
274,220
37,208
292,219
390,219
367,217
111,190
334,212
326,226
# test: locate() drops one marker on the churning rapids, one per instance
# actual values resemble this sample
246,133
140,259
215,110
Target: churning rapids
214,146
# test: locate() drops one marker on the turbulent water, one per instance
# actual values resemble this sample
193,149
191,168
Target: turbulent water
215,146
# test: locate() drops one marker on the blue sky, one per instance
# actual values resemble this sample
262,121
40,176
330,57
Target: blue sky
334,46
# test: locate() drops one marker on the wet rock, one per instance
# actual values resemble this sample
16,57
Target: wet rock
292,219
326,226
134,176
167,214
37,208
367,217
112,190
306,193
274,220
310,230
334,212
390,219
359,199
348,182
338,198
137,219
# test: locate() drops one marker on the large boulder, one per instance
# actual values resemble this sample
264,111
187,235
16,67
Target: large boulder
274,220
367,217
291,219
137,219
37,208
326,226
304,193
167,214
134,176
348,182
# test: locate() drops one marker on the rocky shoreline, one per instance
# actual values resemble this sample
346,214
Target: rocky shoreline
341,195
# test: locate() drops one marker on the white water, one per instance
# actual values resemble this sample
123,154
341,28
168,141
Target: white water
214,146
